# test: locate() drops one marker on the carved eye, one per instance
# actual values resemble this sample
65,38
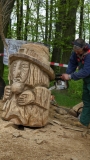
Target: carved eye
24,65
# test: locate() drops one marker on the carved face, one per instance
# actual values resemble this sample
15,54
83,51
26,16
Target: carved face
20,71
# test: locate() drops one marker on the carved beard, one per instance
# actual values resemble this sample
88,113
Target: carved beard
17,87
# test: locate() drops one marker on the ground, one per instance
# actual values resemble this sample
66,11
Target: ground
58,140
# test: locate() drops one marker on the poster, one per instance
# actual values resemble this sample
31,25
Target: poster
13,47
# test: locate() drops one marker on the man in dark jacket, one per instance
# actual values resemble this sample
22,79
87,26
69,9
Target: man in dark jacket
80,58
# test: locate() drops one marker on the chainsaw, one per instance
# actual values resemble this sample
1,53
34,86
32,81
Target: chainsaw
59,84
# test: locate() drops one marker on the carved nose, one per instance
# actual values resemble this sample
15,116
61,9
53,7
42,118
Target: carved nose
17,73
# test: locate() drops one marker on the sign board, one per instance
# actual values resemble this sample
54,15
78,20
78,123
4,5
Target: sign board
13,47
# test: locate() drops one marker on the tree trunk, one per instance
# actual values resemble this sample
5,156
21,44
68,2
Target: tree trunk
89,23
1,58
81,19
50,23
68,34
57,49
46,23
27,21
19,19
8,5
37,20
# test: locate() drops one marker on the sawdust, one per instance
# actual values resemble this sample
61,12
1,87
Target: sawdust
59,140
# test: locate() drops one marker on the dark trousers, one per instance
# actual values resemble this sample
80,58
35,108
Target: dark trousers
85,115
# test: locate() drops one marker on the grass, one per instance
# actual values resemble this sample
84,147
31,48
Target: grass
71,96
5,75
64,99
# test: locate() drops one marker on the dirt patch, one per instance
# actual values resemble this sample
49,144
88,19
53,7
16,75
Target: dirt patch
59,140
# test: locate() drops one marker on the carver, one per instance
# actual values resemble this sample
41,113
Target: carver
80,58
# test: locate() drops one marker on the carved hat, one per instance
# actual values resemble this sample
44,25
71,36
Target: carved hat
35,53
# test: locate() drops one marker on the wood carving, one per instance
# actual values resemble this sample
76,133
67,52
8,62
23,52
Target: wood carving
27,98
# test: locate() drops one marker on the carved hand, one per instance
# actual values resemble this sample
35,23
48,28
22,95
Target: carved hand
7,93
26,97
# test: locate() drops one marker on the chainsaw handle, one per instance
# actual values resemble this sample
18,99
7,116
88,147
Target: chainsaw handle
58,77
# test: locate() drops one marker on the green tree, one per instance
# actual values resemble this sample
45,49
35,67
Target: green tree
55,22
65,30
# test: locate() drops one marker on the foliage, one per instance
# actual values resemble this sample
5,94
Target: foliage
75,89
50,22
5,75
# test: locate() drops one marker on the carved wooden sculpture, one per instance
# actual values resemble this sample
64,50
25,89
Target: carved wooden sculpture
27,98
